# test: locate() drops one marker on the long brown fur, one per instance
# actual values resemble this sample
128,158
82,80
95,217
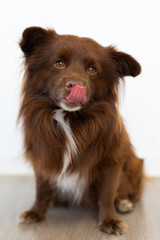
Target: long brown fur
105,155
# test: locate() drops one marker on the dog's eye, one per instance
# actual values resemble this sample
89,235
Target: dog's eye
92,70
59,64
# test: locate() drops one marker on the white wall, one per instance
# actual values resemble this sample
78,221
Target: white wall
134,26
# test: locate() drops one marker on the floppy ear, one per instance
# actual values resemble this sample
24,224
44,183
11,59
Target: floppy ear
123,63
32,38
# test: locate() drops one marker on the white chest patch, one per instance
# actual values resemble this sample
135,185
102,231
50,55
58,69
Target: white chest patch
71,185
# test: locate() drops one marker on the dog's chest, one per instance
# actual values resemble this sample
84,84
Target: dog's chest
71,185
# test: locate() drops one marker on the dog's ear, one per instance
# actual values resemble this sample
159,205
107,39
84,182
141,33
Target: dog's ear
123,63
34,37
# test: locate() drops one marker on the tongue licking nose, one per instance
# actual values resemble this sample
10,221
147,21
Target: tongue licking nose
77,94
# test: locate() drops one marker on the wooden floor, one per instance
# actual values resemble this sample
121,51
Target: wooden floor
17,194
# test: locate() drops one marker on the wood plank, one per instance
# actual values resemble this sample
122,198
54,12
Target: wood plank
17,194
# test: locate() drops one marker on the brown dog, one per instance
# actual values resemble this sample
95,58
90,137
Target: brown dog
74,136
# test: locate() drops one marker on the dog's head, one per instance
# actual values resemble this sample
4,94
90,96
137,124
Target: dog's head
72,71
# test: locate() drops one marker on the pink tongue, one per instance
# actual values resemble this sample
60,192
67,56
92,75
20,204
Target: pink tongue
77,94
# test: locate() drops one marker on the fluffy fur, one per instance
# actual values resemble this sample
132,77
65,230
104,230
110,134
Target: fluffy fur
80,153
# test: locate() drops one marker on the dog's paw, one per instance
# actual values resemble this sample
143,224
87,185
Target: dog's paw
124,206
29,216
116,227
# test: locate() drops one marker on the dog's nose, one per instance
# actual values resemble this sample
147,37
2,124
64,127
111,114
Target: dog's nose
70,85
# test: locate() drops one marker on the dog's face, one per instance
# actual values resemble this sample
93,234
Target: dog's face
73,71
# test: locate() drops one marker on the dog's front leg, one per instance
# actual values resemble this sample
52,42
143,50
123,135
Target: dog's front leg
109,221
43,199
